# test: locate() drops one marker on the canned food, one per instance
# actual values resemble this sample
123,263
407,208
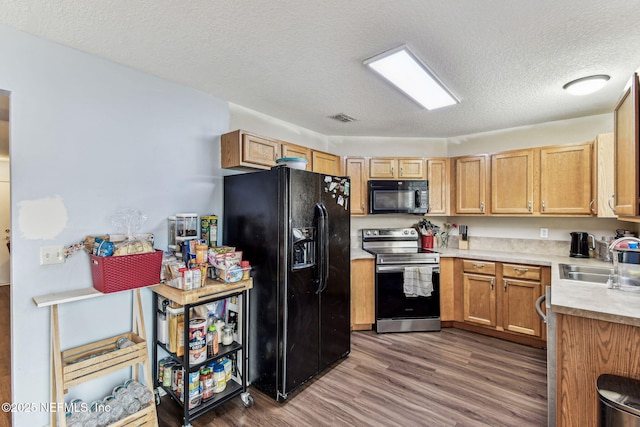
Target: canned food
167,376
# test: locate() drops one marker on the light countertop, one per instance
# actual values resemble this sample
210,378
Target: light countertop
576,298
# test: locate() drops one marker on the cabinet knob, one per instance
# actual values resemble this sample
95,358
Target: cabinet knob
478,265
492,283
591,203
505,284
482,207
530,206
543,206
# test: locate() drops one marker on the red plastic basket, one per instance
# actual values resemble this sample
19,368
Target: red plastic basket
121,273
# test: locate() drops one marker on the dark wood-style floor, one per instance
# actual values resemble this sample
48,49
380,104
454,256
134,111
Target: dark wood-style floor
5,352
447,378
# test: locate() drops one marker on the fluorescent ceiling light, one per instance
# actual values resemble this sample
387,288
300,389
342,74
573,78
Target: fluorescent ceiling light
586,85
402,68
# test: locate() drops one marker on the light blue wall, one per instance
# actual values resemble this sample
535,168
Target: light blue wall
101,137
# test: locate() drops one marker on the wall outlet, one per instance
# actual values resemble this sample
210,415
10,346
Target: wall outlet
544,233
52,255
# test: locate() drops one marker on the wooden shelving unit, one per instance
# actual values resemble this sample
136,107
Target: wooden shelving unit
90,361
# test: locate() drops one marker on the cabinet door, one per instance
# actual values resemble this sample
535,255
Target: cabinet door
565,179
518,303
382,168
411,168
362,294
292,150
626,152
259,151
471,184
356,169
438,177
605,173
326,163
479,299
512,182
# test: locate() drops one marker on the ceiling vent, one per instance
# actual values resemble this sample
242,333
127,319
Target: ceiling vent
344,118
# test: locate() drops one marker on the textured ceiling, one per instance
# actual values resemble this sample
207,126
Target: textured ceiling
301,61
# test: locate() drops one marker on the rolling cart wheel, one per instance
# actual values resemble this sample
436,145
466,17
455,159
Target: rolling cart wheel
247,400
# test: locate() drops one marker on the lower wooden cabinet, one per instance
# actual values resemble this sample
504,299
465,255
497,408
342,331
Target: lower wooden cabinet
588,348
501,297
362,294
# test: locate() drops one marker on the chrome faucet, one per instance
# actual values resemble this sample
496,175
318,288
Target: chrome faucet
622,239
614,282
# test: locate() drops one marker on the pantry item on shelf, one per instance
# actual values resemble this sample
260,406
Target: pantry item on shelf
124,342
219,378
209,229
226,363
227,335
113,406
245,269
206,383
187,224
212,341
219,327
130,404
100,413
197,340
201,252
139,391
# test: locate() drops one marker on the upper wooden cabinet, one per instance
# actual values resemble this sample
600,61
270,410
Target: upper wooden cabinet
471,185
565,179
293,150
356,169
626,152
396,168
439,177
512,182
245,151
326,163
554,180
604,171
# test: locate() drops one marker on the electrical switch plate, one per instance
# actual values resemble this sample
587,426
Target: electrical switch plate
544,233
52,255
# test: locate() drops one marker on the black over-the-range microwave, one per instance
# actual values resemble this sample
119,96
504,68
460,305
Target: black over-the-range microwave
389,197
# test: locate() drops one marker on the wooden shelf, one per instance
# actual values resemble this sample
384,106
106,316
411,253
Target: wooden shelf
212,289
84,363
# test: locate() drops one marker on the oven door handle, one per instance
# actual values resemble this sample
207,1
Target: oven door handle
539,303
400,268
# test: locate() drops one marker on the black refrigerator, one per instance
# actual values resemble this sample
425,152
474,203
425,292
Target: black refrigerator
293,226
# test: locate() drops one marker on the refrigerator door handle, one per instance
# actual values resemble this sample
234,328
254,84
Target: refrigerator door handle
322,248
325,248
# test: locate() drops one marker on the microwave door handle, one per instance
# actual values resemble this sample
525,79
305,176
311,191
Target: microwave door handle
417,198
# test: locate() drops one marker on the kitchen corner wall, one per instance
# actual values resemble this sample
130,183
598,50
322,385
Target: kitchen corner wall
90,137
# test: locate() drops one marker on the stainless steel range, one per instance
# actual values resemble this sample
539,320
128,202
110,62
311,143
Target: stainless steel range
398,258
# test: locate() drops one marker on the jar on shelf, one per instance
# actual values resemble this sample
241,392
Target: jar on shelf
227,335
219,378
187,225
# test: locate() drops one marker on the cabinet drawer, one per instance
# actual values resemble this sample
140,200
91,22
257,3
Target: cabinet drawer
521,271
482,267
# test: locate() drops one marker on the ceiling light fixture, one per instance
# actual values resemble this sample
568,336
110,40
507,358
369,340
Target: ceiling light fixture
408,73
586,85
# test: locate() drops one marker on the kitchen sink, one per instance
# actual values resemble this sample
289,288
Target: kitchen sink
585,273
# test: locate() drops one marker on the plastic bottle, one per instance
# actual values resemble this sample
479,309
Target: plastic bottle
212,341
103,418
130,404
79,412
219,326
219,378
140,392
113,406
245,269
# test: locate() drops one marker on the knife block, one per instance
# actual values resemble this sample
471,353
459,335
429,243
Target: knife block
463,244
